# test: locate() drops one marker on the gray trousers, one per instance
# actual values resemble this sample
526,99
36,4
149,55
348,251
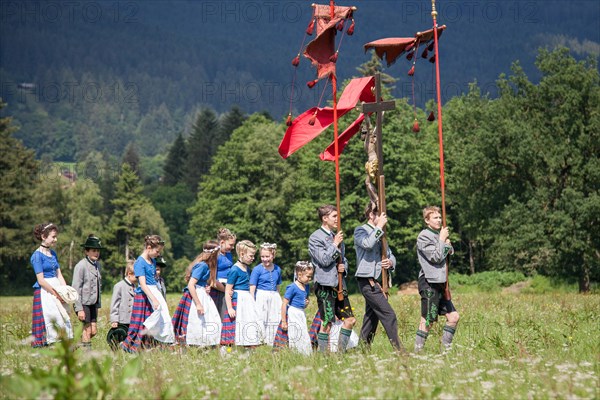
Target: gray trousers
377,309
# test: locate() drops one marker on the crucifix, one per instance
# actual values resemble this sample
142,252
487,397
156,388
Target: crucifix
374,165
378,107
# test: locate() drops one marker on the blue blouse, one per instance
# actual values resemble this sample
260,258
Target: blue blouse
264,279
46,264
201,272
142,268
296,296
239,279
224,263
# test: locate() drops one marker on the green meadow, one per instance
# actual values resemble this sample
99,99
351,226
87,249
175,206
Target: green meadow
508,345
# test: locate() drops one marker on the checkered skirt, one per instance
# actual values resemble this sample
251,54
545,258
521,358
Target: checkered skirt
282,340
180,318
142,309
38,326
228,328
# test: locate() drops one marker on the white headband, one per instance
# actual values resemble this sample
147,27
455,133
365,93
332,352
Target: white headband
210,251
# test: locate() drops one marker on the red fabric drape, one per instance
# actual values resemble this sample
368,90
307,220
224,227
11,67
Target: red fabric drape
343,139
322,47
392,48
301,132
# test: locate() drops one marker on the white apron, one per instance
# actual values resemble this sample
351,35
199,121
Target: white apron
53,315
298,336
158,324
203,330
249,330
268,305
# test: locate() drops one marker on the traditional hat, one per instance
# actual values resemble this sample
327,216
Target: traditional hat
160,262
92,242
116,335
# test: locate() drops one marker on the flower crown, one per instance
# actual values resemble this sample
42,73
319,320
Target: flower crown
303,266
210,251
268,246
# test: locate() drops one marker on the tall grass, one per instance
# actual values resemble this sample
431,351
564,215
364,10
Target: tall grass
507,346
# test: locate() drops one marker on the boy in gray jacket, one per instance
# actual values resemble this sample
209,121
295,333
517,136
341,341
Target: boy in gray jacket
433,246
326,250
121,306
88,283
367,242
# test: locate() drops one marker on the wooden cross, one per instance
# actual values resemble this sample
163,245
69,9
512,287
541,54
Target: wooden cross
378,107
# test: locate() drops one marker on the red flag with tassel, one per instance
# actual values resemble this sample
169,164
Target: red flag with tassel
392,48
322,48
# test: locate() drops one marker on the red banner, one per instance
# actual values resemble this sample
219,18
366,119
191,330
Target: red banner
302,132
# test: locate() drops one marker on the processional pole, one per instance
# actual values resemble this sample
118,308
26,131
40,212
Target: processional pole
336,152
439,109
335,134
447,294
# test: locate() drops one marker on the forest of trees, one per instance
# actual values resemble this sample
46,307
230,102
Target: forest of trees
523,183
89,75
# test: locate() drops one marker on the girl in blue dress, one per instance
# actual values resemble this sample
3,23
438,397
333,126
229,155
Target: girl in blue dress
293,328
197,321
48,310
241,325
150,319
226,241
264,287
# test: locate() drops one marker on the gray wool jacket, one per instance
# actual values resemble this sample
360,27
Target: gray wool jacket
367,243
324,256
432,253
88,283
121,304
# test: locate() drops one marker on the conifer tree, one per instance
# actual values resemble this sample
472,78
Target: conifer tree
229,123
131,157
200,147
173,171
